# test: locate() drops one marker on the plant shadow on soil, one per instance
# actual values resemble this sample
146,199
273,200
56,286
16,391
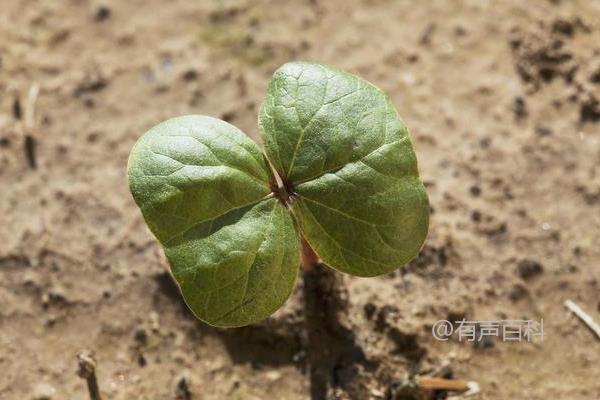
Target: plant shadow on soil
275,342
340,362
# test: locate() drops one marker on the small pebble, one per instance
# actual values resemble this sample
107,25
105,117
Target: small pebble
273,375
43,391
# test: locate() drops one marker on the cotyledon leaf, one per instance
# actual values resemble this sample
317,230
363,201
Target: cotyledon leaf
316,119
339,144
239,268
203,188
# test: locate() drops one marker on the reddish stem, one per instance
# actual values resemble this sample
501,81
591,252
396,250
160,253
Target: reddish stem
309,258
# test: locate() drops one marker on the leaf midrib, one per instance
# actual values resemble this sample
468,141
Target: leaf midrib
212,219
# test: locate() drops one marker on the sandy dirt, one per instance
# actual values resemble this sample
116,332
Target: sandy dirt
502,99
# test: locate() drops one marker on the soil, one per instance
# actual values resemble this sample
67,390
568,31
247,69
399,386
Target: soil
502,99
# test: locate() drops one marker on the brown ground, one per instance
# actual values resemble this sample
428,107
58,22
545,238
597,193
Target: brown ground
502,100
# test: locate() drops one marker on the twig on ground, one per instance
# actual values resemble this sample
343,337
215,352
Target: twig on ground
433,383
583,316
34,91
29,125
87,371
428,383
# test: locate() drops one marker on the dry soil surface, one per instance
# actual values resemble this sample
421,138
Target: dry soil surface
502,99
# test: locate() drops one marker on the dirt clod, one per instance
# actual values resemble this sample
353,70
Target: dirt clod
102,13
406,389
528,269
517,292
545,53
182,388
141,336
519,107
90,84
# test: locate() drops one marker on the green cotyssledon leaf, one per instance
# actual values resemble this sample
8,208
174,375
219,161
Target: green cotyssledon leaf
231,232
338,143
203,188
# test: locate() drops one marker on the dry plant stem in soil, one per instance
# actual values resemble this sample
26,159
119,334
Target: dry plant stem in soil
87,371
334,357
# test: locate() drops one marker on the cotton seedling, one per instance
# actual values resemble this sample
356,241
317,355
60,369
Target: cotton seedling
338,170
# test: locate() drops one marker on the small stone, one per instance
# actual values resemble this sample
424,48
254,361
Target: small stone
154,321
273,375
43,391
31,278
